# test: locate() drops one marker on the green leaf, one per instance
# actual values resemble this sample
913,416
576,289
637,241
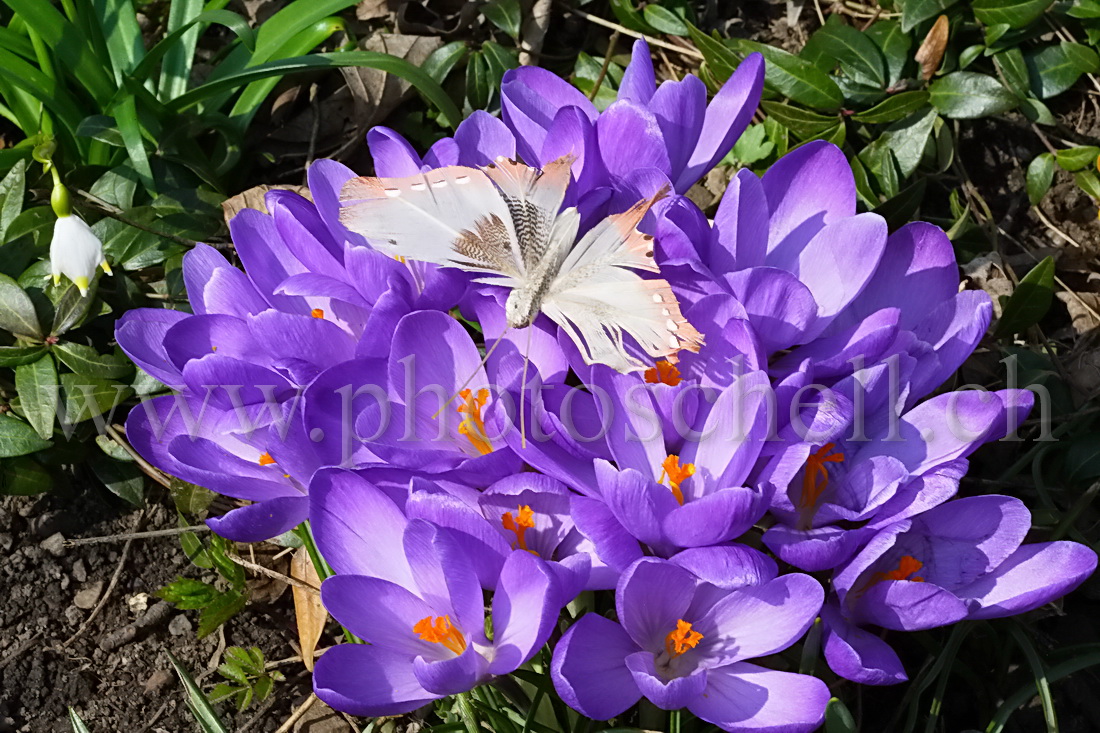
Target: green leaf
223,691
442,60
17,438
24,476
1029,302
838,719
799,121
189,498
753,146
968,54
1084,9
102,128
87,397
664,20
629,16
1040,174
966,95
233,673
86,360
914,11
504,14
1013,68
76,722
13,356
894,45
1013,13
1074,159
223,608
1088,182
200,707
118,23
858,56
907,139
1082,462
188,594
721,59
893,108
478,83
130,128
175,70
112,449
263,687
37,386
124,480
12,190
899,210
1054,69
793,77
71,309
17,313
1037,112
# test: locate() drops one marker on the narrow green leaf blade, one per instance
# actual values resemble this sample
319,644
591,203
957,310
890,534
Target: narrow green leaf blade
200,707
37,386
175,71
12,190
77,723
793,77
893,108
1040,174
1030,301
1013,13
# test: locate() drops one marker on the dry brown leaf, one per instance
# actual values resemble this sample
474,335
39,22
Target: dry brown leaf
1083,309
308,610
988,273
253,198
374,9
930,53
377,93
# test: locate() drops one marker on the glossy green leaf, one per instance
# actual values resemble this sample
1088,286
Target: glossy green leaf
37,386
200,707
753,146
86,360
294,18
664,20
478,83
915,11
907,139
504,14
124,480
628,15
1013,68
894,107
13,356
1013,13
838,719
17,438
17,314
119,26
1088,182
71,309
721,60
87,397
1084,9
966,95
24,476
899,210
223,608
969,54
799,121
1054,69
1037,112
12,190
1074,159
1029,302
442,60
894,44
858,56
793,77
1040,174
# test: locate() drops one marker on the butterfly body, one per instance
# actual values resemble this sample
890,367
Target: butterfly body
503,222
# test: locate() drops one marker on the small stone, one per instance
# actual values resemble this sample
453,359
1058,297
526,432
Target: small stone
87,596
6,541
73,616
80,573
138,602
157,680
54,544
179,626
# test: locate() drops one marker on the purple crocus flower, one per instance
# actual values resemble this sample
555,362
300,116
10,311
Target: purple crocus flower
683,642
411,591
961,560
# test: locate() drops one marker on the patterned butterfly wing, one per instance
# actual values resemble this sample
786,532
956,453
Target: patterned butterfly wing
598,296
451,216
533,198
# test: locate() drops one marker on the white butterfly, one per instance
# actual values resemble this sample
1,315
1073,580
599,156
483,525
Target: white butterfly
503,220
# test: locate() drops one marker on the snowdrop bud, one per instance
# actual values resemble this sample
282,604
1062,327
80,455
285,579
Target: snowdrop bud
75,252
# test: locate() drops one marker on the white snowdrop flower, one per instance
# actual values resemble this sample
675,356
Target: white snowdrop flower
75,252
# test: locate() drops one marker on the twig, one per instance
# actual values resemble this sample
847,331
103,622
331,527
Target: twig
633,34
297,714
110,586
258,714
606,64
135,535
19,649
534,32
1051,226
149,469
293,660
315,130
109,209
271,573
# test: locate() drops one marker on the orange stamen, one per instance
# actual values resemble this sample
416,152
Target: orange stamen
472,426
266,459
907,566
523,521
439,630
676,474
317,312
663,373
680,639
814,481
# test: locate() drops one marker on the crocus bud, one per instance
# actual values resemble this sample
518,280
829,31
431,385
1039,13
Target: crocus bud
75,252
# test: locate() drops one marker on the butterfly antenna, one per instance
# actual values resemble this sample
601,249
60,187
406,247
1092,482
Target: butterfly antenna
473,374
522,387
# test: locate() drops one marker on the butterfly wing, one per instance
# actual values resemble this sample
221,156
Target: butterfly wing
533,198
451,216
598,296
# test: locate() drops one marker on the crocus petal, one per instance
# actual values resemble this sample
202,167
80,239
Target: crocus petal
444,574
740,237
758,620
728,566
680,109
781,308
639,503
953,330
370,681
728,114
1030,577
904,605
453,675
813,550
357,526
589,668
734,431
200,265
525,610
625,121
806,189
482,138
393,156
381,613
141,332
638,82
262,520
482,541
326,177
859,655
745,697
597,522
721,516
530,98
667,694
652,596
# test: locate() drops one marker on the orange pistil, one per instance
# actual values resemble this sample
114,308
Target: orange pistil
472,426
266,459
439,630
680,639
317,312
663,373
676,474
907,566
815,480
523,521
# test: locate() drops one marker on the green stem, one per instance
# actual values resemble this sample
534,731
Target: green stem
466,711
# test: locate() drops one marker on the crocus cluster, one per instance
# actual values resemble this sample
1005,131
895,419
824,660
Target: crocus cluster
463,502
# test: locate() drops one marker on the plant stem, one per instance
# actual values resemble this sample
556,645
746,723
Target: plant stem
466,710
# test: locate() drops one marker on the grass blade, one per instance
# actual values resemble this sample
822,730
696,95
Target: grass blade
370,59
175,40
200,706
1025,693
130,128
179,47
120,29
1040,673
77,723
32,81
290,21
